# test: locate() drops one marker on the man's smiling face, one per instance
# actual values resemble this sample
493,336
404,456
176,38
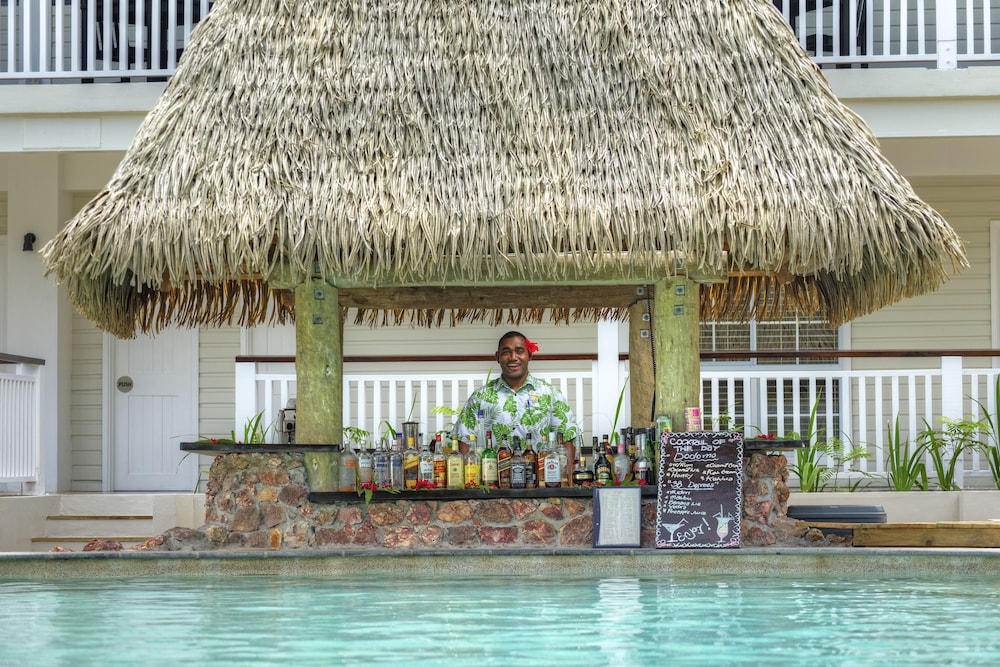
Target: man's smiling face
513,357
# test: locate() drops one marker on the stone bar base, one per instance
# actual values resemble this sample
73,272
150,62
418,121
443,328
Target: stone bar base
261,500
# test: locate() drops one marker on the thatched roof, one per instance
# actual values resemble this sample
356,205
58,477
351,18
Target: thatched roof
497,144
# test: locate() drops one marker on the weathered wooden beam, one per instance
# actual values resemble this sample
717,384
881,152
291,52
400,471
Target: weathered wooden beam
319,351
675,344
641,379
523,296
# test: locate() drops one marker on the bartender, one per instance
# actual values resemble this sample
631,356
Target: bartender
517,402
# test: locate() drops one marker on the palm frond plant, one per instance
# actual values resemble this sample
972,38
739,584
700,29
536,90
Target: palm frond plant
905,469
946,446
990,428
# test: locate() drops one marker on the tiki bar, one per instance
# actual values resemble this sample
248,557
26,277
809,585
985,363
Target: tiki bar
509,164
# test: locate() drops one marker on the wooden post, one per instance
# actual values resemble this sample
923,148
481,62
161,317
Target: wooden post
640,363
675,340
319,371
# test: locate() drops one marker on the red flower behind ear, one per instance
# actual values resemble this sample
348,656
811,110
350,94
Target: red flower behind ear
531,346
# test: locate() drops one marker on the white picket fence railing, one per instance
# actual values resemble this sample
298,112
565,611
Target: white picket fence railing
45,40
20,410
856,407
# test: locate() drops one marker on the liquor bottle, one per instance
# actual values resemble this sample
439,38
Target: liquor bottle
582,475
380,465
348,470
553,464
425,467
473,464
480,427
565,460
530,464
621,464
411,463
366,466
518,467
504,455
440,460
642,473
630,446
396,467
489,463
456,466
603,470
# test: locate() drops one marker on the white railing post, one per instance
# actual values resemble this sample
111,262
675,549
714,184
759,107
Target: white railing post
606,387
952,391
946,17
246,392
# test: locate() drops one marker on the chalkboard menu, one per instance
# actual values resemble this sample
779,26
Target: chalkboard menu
700,496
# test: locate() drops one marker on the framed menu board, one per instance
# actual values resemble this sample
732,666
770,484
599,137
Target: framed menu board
617,516
699,498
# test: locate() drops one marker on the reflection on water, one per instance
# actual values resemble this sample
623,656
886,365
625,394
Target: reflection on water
543,619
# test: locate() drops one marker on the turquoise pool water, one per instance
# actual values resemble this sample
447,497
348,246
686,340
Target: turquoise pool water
501,620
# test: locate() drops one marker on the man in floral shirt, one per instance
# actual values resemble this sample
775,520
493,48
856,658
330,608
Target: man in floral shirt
517,402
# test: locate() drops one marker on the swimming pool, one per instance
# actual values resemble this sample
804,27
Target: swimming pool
541,618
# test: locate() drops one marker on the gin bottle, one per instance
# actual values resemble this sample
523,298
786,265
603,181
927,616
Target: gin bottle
348,470
396,467
490,470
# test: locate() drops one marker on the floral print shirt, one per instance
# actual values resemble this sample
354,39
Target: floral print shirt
536,408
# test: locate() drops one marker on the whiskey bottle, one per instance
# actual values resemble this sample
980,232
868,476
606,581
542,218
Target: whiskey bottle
518,467
456,465
530,457
553,475
565,461
504,455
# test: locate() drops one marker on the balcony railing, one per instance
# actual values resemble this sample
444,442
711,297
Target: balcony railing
88,40
855,407
20,439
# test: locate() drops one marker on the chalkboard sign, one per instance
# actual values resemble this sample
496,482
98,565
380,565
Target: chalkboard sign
700,494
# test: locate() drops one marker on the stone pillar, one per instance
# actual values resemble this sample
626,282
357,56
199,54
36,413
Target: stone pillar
675,345
319,369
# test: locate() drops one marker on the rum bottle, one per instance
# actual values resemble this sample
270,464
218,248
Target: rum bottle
473,464
440,460
425,468
489,463
411,463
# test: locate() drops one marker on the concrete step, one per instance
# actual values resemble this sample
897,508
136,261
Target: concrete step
82,525
44,544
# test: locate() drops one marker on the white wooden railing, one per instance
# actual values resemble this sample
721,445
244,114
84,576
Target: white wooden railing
855,407
124,39
20,410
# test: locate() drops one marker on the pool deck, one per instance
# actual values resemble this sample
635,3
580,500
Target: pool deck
603,562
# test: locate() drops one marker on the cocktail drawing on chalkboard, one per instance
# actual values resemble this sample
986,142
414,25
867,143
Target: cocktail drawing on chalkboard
722,524
674,527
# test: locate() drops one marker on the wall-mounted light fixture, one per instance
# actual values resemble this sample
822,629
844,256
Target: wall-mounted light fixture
29,242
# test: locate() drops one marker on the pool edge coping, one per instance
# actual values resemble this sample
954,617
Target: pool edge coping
744,561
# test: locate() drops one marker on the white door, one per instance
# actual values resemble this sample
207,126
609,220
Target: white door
154,385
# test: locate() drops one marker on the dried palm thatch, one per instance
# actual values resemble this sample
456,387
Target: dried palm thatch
455,143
